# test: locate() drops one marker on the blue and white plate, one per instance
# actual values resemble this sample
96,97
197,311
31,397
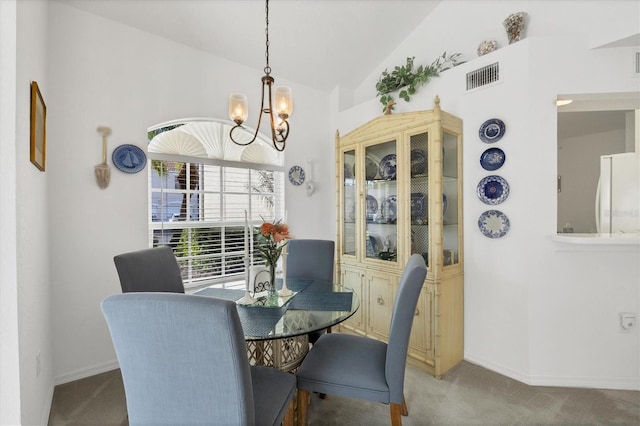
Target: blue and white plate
493,224
390,208
493,190
418,162
388,167
296,175
418,205
492,159
492,130
129,158
370,168
372,206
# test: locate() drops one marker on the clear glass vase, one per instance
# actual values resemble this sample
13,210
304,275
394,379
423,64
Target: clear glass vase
272,294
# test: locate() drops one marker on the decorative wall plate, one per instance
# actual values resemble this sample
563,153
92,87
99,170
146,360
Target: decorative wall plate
129,158
388,167
418,162
493,224
493,190
296,175
491,130
492,159
390,208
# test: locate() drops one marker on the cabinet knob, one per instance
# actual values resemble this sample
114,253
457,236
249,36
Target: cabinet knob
380,301
417,312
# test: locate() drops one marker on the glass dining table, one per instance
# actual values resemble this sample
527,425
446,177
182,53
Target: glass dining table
277,333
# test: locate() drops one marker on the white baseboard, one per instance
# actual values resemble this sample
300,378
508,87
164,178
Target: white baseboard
619,383
87,372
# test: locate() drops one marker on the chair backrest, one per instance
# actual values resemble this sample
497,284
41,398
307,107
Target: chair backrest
183,358
310,259
154,269
404,307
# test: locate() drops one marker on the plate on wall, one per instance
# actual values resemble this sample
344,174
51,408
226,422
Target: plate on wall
491,130
493,224
296,175
388,167
129,158
492,159
493,190
418,162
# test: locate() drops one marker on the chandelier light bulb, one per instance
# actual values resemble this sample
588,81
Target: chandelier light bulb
238,108
284,101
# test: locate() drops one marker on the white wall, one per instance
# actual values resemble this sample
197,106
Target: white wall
9,355
540,311
107,74
32,236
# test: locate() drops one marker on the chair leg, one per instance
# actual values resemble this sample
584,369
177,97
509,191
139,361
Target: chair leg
405,411
396,411
289,417
303,406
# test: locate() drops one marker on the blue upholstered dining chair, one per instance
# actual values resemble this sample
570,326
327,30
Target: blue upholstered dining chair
312,260
184,361
359,367
154,269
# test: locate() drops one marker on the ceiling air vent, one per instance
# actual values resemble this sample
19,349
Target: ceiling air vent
483,76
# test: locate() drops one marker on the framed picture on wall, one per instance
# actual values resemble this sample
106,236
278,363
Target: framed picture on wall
38,127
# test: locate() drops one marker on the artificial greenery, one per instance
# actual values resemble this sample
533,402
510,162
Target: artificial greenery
406,78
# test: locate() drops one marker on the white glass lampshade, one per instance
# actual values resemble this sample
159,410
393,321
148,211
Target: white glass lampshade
283,101
238,107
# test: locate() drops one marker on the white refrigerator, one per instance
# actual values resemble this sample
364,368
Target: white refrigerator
618,194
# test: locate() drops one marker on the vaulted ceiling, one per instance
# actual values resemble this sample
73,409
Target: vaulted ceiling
318,43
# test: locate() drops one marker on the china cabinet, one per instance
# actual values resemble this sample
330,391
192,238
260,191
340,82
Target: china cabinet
399,192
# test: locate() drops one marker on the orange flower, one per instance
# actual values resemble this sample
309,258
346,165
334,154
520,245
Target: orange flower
266,229
281,232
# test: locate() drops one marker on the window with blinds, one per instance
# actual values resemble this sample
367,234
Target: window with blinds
197,207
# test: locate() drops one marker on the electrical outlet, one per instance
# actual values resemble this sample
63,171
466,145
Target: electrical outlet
627,321
38,364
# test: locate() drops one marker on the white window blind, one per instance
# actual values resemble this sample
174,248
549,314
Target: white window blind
196,206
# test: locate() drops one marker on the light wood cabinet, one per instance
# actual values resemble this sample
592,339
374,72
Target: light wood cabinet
399,192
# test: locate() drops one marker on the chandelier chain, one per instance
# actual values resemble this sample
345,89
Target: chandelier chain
267,68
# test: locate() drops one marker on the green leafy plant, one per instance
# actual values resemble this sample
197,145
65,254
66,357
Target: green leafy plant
406,78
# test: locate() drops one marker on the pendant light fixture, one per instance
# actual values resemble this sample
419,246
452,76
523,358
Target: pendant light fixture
282,100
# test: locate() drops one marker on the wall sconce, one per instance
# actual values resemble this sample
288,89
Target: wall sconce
103,171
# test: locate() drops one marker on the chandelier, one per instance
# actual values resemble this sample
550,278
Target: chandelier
282,99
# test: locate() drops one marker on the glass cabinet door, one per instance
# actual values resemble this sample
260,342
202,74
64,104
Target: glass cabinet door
349,203
418,195
450,241
381,202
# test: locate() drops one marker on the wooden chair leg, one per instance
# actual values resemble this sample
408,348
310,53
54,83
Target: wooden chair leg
289,417
405,411
396,412
303,406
